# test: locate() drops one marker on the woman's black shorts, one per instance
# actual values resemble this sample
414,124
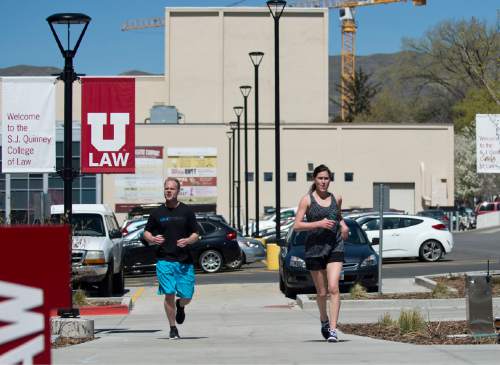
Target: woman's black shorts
320,263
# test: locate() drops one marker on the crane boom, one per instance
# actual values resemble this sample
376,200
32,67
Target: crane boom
347,55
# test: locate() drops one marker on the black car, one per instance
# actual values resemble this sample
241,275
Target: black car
360,266
216,248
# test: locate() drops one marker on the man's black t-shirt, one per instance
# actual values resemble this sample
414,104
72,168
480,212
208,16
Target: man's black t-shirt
173,224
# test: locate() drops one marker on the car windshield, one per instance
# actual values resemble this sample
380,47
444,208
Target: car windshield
356,236
84,224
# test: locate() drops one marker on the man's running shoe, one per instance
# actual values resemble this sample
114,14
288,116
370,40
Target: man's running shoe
174,334
332,335
180,315
325,327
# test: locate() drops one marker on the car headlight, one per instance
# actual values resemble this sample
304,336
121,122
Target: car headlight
132,243
369,261
94,258
297,262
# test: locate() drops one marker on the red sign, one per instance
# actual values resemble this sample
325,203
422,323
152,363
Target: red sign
34,279
108,125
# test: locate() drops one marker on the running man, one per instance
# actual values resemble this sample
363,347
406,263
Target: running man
173,227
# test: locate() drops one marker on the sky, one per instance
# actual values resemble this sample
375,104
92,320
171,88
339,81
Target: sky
25,37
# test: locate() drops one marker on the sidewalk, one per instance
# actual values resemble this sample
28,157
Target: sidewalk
247,324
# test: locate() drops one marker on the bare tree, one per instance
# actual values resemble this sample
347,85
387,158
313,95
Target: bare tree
458,55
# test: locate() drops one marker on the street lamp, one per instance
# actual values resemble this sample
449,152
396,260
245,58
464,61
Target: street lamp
229,135
256,58
276,8
237,111
245,91
233,126
68,75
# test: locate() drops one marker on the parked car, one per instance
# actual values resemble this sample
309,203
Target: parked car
217,247
268,222
438,214
360,266
97,247
487,207
409,236
252,250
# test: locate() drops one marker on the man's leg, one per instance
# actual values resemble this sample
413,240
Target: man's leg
169,305
185,289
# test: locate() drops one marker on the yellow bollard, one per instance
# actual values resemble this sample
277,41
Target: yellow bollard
273,252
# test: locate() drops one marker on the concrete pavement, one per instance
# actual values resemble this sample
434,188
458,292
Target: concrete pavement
248,324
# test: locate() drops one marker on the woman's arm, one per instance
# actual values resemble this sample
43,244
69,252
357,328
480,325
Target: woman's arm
344,230
300,225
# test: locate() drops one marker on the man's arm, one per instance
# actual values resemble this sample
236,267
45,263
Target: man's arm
148,236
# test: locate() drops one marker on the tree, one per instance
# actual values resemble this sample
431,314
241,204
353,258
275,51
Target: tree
477,101
458,56
359,93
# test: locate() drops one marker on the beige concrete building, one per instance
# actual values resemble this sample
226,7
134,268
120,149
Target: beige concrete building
206,60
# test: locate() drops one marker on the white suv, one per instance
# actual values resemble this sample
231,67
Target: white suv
97,248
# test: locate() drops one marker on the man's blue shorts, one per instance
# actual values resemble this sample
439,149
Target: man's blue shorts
175,278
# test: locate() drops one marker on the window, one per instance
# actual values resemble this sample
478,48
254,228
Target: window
309,176
250,176
292,176
348,176
371,225
408,222
208,227
268,176
391,223
310,166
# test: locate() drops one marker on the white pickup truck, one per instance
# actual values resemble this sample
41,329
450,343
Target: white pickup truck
97,248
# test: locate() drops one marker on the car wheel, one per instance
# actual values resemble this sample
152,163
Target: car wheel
235,264
372,289
106,285
431,251
211,261
289,293
119,282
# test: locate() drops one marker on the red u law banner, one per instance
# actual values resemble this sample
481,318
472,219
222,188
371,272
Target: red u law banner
108,125
34,279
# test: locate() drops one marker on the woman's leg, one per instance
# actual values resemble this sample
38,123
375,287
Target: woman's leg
333,270
319,278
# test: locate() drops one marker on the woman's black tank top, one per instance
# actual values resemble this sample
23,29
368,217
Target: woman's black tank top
320,241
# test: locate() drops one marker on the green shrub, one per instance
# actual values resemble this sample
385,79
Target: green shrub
411,321
358,291
440,291
79,297
386,320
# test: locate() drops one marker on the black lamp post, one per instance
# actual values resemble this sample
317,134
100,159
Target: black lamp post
68,75
238,110
256,58
276,8
233,126
229,135
245,91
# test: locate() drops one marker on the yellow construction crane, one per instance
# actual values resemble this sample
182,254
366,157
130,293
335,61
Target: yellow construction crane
348,55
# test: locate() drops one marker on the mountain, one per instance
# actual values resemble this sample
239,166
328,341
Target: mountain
27,70
136,73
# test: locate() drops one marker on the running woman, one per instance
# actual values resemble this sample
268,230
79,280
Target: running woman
173,227
324,246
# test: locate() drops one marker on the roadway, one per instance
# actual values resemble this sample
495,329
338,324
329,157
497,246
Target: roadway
471,252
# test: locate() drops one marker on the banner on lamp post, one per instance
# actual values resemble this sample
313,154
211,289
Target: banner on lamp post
28,124
488,143
108,125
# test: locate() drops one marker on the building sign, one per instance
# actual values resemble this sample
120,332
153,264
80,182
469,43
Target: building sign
143,187
108,125
31,289
488,143
28,124
196,168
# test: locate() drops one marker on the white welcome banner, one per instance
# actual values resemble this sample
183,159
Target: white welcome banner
488,143
28,124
